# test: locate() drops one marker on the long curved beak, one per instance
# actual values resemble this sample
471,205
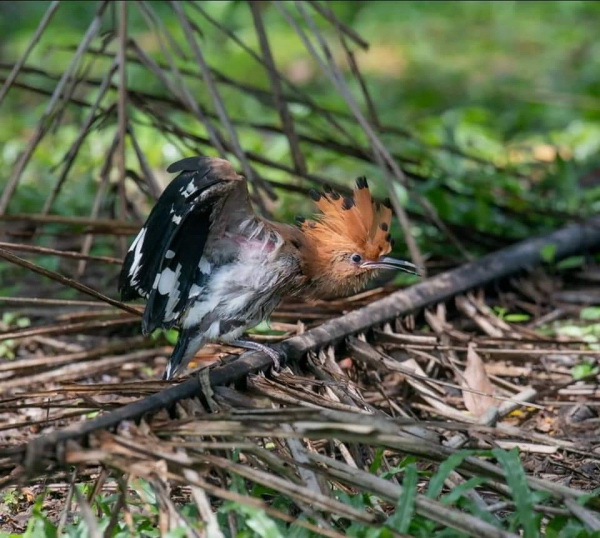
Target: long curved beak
391,263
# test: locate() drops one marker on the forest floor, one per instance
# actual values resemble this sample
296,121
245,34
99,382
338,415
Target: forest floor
329,444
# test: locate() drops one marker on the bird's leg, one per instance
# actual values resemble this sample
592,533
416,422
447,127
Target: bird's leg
269,351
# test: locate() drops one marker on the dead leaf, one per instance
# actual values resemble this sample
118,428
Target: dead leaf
476,378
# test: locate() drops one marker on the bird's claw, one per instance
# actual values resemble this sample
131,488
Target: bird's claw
276,357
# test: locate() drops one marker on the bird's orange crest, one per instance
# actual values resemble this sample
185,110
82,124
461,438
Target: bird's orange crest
350,223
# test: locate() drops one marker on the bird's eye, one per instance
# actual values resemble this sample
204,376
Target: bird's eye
356,258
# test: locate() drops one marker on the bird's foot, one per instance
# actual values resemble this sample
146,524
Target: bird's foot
273,354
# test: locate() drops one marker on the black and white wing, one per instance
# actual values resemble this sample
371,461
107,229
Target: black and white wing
164,263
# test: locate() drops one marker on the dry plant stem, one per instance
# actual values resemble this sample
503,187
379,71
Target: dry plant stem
300,97
39,362
305,99
178,88
69,158
325,11
67,508
54,302
9,256
87,515
587,517
122,446
153,184
262,95
218,103
160,28
65,328
100,193
60,253
356,428
570,240
109,226
374,358
122,115
278,100
225,494
79,79
79,369
362,83
36,36
44,123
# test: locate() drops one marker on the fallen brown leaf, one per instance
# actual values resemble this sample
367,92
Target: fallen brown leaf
476,378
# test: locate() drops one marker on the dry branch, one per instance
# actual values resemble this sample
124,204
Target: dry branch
44,123
9,256
278,100
34,40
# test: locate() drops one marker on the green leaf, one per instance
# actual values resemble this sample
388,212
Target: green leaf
258,520
446,467
22,323
517,318
401,193
392,471
377,460
263,525
405,508
521,494
548,252
590,313
457,492
571,330
264,327
500,311
592,499
177,532
172,335
584,369
571,262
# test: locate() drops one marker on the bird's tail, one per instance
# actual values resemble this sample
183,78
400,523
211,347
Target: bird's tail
188,344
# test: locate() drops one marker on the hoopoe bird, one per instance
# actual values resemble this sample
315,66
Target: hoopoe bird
206,263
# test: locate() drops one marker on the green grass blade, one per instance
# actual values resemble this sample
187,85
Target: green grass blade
405,508
522,495
446,467
457,492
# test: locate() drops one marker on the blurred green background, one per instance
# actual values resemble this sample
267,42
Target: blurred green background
492,108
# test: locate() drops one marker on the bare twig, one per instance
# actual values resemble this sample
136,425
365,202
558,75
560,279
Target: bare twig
180,89
71,154
326,11
122,114
280,104
60,253
218,102
44,123
8,256
88,239
32,43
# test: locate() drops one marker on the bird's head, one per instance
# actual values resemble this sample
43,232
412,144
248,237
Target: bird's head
348,241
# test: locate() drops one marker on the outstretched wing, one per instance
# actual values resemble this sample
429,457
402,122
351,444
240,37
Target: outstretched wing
164,263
